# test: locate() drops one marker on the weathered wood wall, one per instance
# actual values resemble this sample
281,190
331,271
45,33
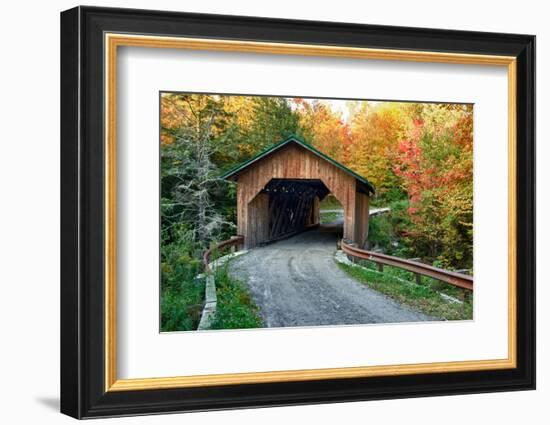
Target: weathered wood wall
315,212
295,162
361,219
257,220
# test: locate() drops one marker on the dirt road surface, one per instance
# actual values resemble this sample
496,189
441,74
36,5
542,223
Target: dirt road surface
296,282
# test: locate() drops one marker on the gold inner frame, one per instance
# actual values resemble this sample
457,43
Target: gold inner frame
113,41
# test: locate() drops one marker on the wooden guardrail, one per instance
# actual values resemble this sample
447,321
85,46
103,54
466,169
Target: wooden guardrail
210,298
235,241
457,279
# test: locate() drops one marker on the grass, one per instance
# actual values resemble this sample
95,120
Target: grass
235,308
329,217
400,285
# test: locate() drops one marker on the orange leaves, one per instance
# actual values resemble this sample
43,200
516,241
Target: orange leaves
323,127
419,155
435,163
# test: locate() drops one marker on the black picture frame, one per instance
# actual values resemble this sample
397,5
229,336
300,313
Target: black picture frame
83,392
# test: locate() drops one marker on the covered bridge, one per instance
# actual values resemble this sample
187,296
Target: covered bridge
279,190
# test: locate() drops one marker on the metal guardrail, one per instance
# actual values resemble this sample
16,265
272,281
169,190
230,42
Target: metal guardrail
210,298
457,279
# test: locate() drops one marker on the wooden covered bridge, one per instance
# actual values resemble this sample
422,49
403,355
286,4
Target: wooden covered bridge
279,191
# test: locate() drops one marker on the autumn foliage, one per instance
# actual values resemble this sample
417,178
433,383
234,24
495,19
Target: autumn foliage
419,156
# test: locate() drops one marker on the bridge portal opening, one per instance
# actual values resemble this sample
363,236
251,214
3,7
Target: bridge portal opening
285,207
331,211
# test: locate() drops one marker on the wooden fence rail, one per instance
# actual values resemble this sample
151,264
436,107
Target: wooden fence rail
235,241
457,279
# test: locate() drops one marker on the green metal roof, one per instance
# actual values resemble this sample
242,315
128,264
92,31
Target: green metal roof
294,139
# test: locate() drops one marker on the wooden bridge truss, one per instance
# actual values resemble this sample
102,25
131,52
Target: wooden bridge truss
293,205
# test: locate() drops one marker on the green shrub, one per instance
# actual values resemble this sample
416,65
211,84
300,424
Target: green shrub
381,232
182,295
235,308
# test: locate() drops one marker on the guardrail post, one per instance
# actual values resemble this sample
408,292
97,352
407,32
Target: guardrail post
235,247
418,279
380,267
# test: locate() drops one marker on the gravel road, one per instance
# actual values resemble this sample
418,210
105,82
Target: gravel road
296,282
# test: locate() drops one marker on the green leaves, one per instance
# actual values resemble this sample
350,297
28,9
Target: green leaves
435,163
419,156
181,294
235,309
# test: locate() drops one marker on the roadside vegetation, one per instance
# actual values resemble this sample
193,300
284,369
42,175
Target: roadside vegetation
235,308
418,156
390,234
183,292
401,286
182,295
329,217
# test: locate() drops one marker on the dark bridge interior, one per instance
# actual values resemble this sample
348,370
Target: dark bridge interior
293,205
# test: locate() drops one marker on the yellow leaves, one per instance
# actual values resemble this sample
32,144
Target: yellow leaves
173,111
166,139
323,127
375,129
243,108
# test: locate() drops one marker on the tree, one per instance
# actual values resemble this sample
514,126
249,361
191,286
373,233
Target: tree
435,162
375,132
323,128
273,121
419,157
189,176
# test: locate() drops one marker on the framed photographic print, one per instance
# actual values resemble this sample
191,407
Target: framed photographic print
261,212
